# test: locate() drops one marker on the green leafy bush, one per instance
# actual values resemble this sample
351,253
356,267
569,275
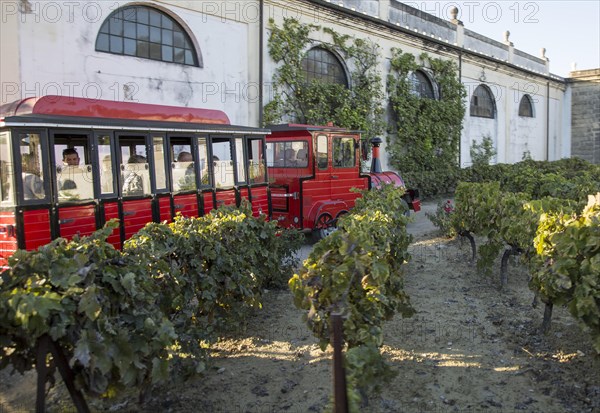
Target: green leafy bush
442,218
568,264
569,178
482,153
561,248
125,319
96,305
357,271
212,270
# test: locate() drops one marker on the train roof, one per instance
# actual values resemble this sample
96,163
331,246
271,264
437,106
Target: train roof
70,111
287,127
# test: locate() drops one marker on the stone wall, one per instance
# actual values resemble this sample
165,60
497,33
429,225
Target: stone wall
585,114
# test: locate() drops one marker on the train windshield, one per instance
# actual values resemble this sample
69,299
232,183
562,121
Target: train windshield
288,154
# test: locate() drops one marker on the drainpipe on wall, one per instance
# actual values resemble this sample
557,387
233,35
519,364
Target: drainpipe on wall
460,80
260,62
547,121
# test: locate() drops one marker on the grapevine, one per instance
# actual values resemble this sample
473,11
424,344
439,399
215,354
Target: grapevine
126,319
560,248
357,271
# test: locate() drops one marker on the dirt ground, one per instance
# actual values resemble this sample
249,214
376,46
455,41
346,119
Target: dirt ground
469,348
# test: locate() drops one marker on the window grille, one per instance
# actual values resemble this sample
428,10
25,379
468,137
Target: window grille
147,33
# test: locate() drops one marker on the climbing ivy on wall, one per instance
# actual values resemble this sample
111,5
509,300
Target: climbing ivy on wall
316,102
426,133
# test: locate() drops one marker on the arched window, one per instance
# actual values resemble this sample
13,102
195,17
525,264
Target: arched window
482,103
321,64
526,107
148,33
420,85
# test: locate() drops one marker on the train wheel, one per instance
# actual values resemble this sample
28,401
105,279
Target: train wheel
339,215
324,226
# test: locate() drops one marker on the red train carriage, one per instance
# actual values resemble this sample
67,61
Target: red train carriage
313,168
68,165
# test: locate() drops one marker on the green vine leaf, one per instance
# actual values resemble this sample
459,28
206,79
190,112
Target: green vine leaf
423,142
315,102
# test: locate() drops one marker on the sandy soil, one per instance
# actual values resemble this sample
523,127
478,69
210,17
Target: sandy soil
469,348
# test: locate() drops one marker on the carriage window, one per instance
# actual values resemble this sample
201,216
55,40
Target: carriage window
74,178
106,165
239,156
322,151
222,162
135,172
30,148
288,154
182,170
158,145
203,161
256,161
343,152
7,192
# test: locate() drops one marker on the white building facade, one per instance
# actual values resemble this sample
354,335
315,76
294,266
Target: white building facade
53,49
213,54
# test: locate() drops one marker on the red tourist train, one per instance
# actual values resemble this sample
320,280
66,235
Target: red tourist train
68,165
312,170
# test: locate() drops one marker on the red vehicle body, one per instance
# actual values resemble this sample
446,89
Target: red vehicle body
312,170
135,162
144,163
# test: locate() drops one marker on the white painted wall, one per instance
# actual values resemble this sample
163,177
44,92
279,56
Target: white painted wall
511,134
10,70
49,48
57,55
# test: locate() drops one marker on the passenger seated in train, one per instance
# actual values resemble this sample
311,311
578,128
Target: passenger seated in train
184,177
70,157
290,157
74,182
68,175
184,157
33,185
133,181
